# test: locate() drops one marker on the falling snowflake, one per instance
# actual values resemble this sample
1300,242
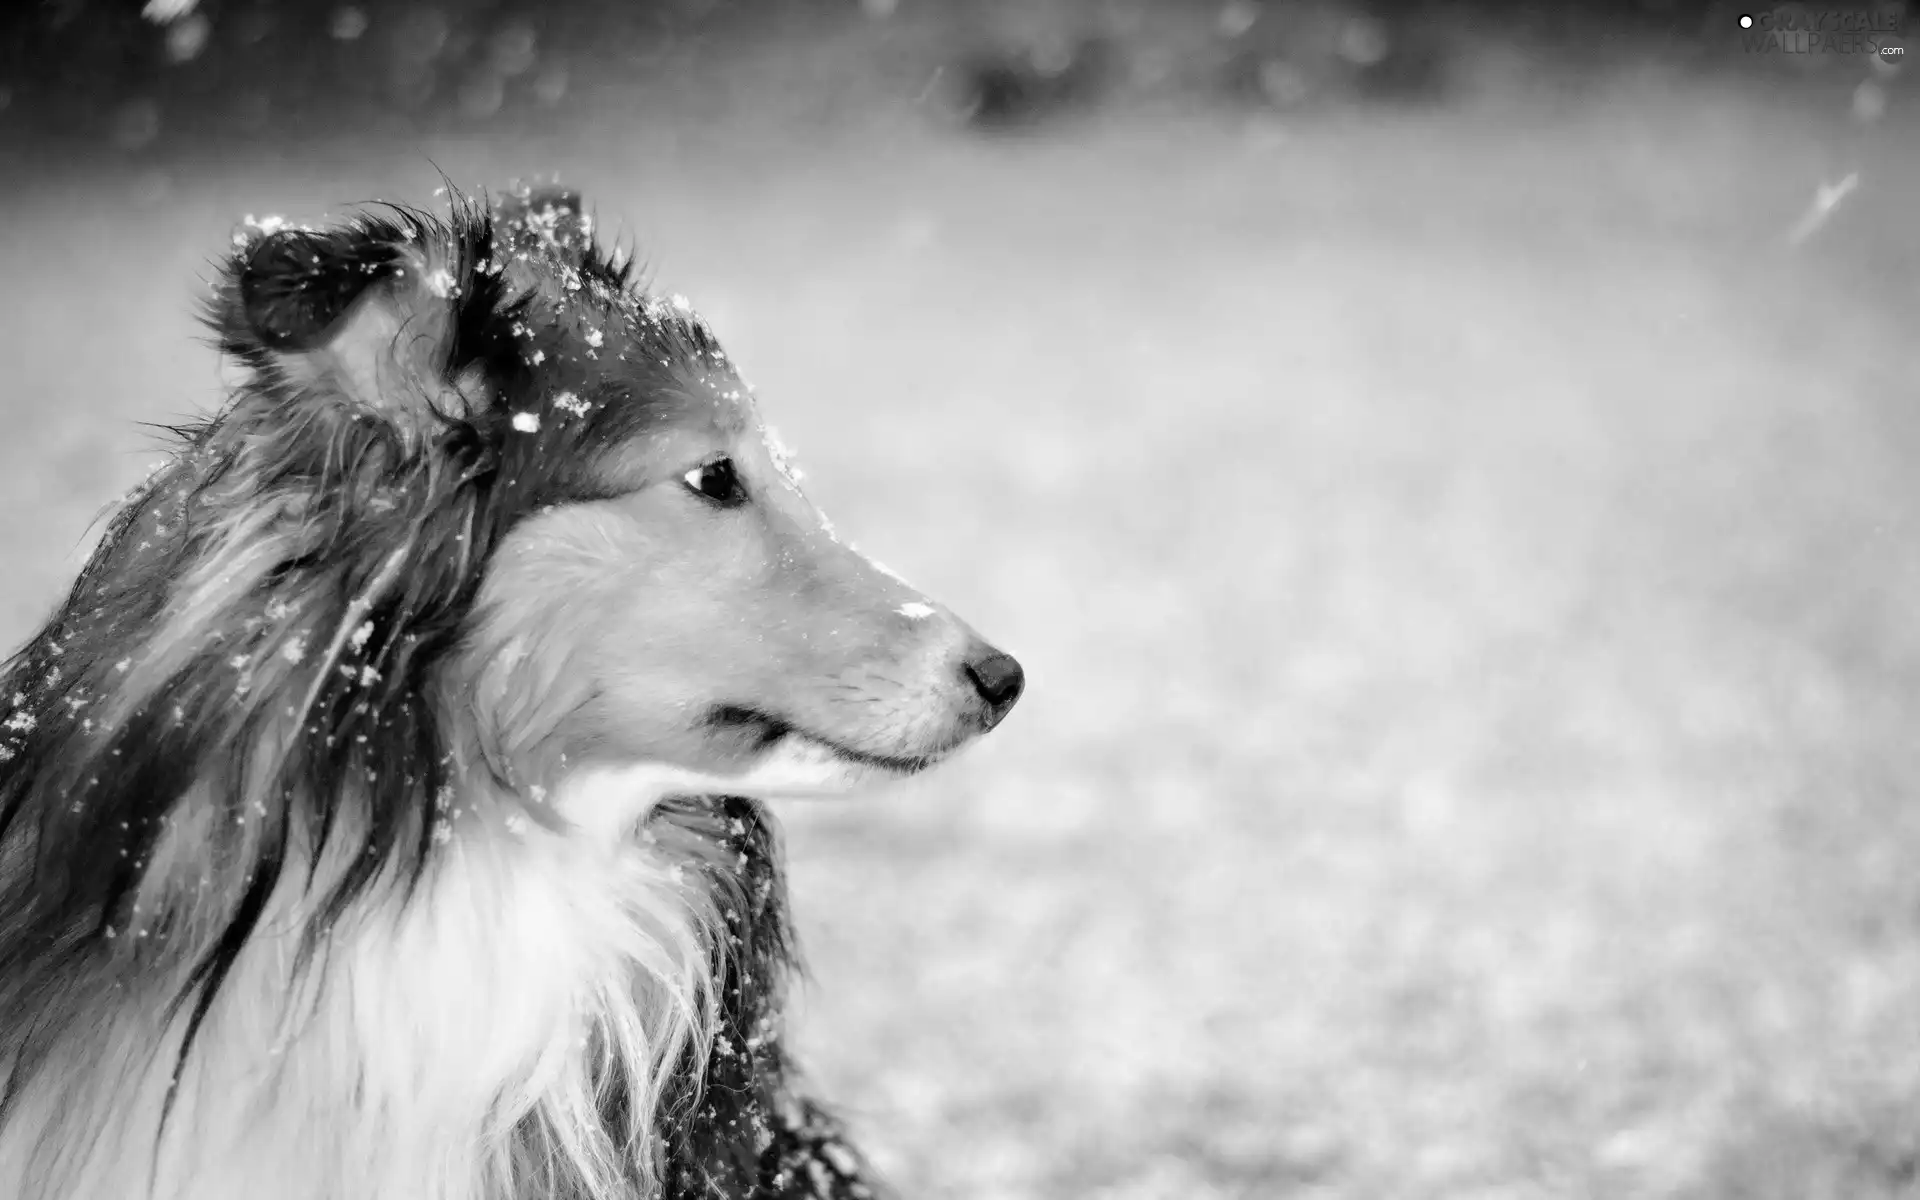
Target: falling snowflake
595,338
1826,198
913,610
569,402
440,283
526,422
359,639
295,649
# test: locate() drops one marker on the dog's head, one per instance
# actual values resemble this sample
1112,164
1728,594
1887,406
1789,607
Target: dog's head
655,592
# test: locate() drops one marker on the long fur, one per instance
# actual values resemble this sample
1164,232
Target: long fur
286,904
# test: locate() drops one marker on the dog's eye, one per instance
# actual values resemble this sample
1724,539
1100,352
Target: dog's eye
717,482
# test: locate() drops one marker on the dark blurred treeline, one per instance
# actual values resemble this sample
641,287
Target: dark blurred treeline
82,67
133,73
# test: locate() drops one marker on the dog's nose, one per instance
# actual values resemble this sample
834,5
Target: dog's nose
998,679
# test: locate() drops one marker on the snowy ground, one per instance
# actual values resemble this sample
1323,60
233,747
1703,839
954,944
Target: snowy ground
1465,563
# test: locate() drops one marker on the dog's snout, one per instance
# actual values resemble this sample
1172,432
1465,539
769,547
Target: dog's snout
997,679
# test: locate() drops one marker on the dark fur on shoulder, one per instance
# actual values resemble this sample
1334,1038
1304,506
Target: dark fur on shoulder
747,1132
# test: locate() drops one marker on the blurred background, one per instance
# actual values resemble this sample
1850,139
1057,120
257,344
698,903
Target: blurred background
1447,468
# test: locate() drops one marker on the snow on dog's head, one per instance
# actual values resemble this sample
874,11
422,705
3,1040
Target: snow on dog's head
656,592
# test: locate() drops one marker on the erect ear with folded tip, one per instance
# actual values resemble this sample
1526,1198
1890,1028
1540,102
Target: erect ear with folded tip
533,216
295,285
357,315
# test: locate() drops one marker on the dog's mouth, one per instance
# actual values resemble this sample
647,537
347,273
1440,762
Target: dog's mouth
754,732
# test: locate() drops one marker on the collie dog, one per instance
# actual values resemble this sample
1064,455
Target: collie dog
381,816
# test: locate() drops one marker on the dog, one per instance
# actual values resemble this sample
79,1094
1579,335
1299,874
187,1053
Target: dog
382,815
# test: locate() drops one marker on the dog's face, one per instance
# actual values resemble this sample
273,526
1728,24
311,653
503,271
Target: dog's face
663,598
711,621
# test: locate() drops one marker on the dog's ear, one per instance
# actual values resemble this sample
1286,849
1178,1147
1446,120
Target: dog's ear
544,217
364,314
295,285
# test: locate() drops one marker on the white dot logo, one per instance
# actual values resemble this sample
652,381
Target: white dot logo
1746,22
